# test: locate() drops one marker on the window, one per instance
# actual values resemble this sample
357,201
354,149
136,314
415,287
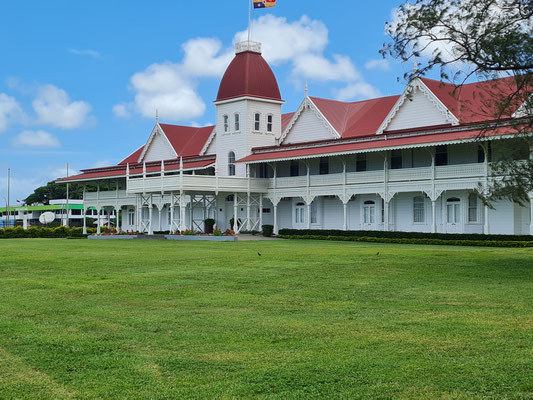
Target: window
418,210
453,211
472,208
231,163
369,212
131,217
169,217
257,119
314,212
237,122
299,215
360,162
324,166
269,123
231,198
441,155
295,168
266,210
263,171
396,159
382,211
226,123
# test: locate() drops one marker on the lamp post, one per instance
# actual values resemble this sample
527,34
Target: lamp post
8,193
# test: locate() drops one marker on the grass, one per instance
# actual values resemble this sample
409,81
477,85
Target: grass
306,319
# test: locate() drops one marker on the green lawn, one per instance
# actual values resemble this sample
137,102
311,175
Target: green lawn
306,319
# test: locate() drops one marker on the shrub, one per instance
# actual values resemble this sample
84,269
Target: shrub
217,232
229,232
268,230
35,232
406,235
452,242
208,225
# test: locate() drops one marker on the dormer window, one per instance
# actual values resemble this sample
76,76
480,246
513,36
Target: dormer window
231,163
226,123
237,122
257,119
270,118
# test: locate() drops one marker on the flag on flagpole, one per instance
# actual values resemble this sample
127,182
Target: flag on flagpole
264,3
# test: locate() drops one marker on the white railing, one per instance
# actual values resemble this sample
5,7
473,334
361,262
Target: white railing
460,171
410,174
364,177
108,195
197,183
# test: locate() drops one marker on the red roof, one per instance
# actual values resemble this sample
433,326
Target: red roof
475,102
360,118
248,75
137,168
187,141
285,119
384,141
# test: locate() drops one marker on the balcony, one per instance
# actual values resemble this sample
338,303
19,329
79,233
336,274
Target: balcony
197,183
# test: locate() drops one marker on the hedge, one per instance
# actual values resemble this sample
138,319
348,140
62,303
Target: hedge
407,235
35,232
449,242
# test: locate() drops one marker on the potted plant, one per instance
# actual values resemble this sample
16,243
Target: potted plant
209,223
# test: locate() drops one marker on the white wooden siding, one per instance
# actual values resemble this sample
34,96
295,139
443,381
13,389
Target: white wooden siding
159,149
415,112
308,128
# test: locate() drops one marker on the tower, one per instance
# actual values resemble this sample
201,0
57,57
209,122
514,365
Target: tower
248,109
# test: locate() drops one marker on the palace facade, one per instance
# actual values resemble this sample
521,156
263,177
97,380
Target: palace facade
412,162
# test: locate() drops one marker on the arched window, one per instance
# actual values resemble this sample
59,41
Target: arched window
226,123
299,213
270,119
418,210
237,122
231,163
257,121
369,212
453,210
131,217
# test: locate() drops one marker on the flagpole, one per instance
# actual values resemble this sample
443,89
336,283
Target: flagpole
249,21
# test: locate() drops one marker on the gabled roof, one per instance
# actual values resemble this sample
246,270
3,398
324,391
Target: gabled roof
355,119
474,102
187,141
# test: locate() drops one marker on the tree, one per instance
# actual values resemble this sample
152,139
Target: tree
486,39
53,191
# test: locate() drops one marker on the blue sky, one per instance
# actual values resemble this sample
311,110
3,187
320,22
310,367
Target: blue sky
80,81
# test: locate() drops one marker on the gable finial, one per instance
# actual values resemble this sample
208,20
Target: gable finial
306,88
415,66
156,116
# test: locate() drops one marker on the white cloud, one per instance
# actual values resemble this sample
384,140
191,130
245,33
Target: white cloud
171,88
86,52
122,110
357,91
53,107
379,64
35,139
9,110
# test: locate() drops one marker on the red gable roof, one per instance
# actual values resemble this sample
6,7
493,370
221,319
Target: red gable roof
360,118
187,141
248,75
474,102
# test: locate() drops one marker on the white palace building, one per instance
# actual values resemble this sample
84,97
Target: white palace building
411,162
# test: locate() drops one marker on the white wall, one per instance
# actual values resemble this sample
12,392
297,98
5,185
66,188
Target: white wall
417,111
159,149
308,128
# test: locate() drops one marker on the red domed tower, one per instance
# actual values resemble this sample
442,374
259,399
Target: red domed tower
248,108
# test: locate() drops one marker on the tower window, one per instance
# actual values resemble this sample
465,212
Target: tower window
237,123
231,163
269,123
226,123
257,119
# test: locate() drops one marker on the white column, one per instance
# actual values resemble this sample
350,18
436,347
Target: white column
98,229
486,226
308,216
171,228
117,219
235,213
191,212
150,207
433,216
248,224
260,211
386,215
531,213
276,229
159,209
182,211
84,221
345,214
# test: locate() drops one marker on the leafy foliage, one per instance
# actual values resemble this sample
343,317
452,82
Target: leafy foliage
484,38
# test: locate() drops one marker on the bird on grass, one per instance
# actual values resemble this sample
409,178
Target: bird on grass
377,254
259,254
